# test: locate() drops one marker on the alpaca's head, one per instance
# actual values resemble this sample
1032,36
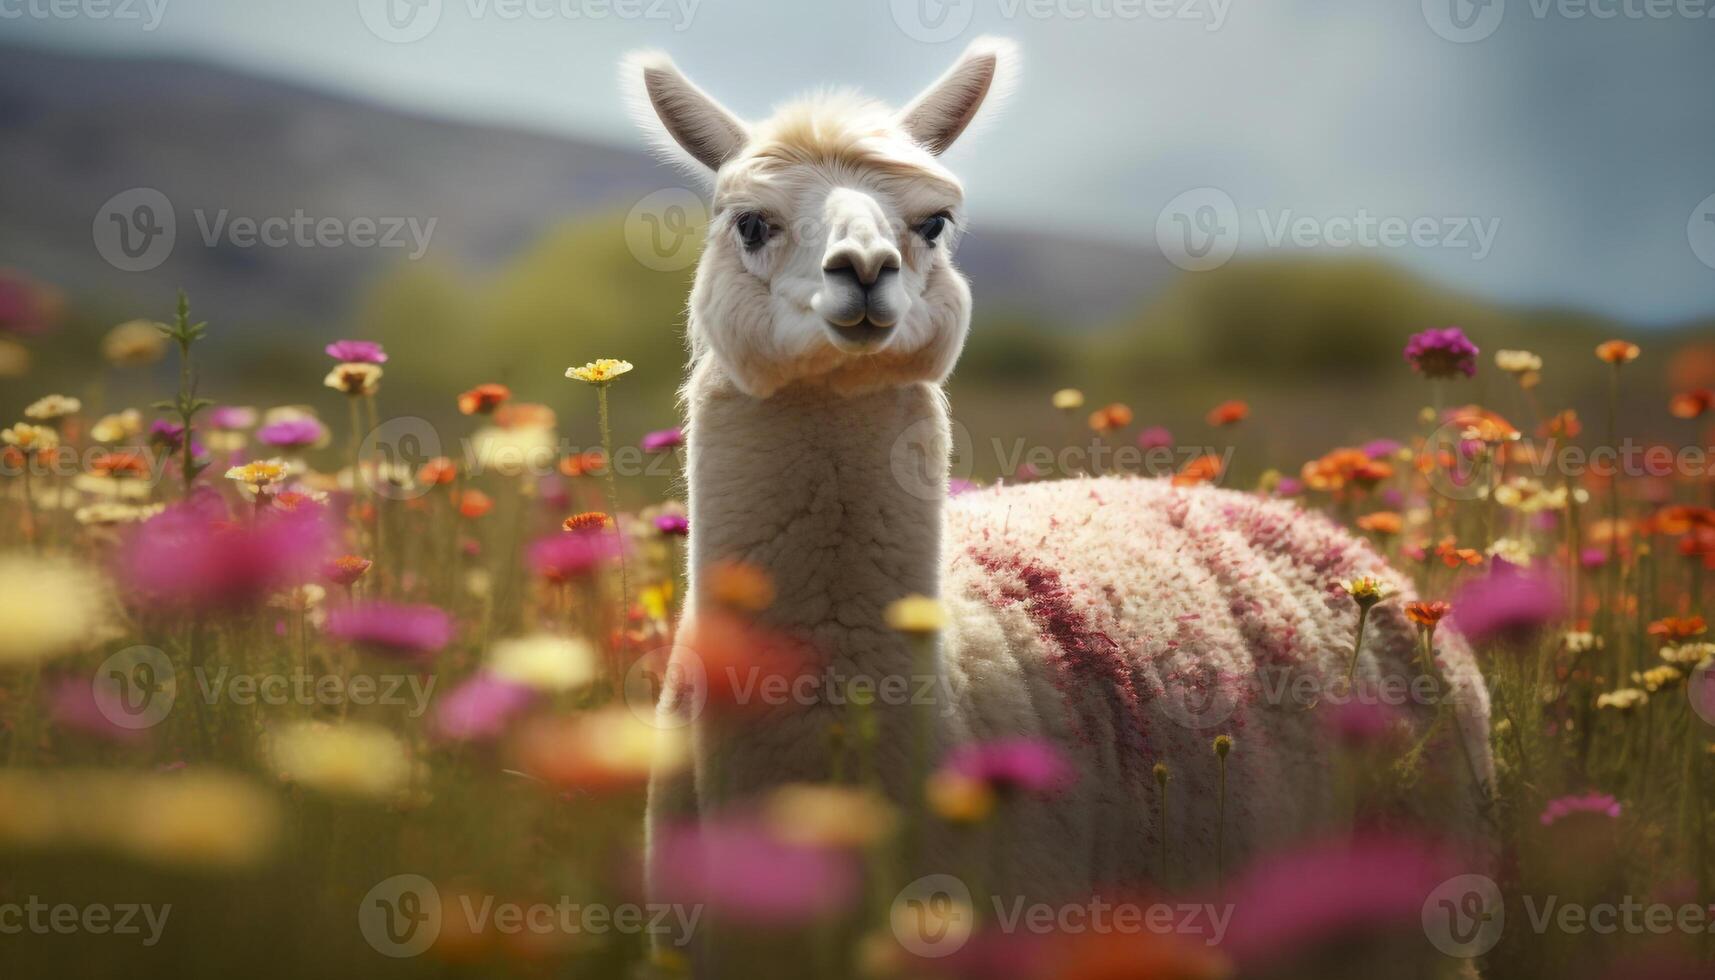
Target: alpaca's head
829,256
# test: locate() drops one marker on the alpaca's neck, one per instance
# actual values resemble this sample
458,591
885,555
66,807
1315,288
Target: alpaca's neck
837,498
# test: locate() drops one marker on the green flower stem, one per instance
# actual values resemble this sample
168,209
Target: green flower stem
613,501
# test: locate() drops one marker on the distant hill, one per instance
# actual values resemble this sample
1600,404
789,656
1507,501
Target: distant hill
76,130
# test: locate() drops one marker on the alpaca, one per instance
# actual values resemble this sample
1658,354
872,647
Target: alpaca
1124,620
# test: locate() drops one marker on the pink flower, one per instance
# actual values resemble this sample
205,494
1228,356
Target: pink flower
481,707
1155,437
293,433
673,525
191,556
1442,353
392,630
663,440
77,705
1597,803
1293,901
744,873
571,554
357,351
1509,604
1013,764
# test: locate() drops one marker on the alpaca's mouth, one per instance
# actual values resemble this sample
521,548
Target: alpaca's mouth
863,337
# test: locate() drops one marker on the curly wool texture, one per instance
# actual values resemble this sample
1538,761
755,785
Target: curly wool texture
1102,613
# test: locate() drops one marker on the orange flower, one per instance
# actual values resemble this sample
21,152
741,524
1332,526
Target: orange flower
591,463
589,520
1477,422
1676,629
740,586
346,569
121,465
1617,352
474,504
524,415
1203,469
1342,466
1115,416
1228,413
483,399
437,471
1427,614
1454,556
1381,522
1691,404
1564,425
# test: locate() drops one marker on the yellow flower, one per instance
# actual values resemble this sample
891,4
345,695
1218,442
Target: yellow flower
106,513
1366,591
356,378
1660,678
1581,641
599,371
917,614
959,799
258,475
1688,654
14,359
52,407
1068,399
119,427
1623,700
31,438
352,759
544,662
828,816
47,607
134,342
1517,361
515,451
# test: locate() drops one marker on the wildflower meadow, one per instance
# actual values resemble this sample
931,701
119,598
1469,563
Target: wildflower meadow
281,693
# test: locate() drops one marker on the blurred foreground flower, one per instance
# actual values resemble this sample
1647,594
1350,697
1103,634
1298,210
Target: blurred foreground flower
135,342
608,749
200,819
349,759
1229,413
50,407
828,816
47,607
481,707
1510,605
571,555
483,399
1596,803
191,557
743,872
544,662
403,632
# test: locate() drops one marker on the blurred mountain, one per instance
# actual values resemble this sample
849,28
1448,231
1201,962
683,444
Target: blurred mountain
222,145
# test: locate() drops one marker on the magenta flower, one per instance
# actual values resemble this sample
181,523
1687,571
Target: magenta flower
571,554
743,873
1509,604
1361,722
663,440
77,705
1442,352
1289,486
193,556
1381,448
1295,901
231,417
480,708
956,486
1155,437
1023,764
673,525
390,630
1598,803
297,432
357,351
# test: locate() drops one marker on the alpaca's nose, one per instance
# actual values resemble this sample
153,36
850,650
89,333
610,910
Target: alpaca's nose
866,262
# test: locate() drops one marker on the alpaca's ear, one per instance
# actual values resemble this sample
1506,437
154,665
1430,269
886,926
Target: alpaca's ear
681,119
984,73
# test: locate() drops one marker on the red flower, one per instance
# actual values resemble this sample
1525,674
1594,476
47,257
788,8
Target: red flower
484,399
1228,413
1691,404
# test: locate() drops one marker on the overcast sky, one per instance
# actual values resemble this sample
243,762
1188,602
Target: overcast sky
1525,150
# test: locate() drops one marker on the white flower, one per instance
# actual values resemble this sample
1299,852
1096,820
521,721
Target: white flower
52,407
352,759
544,662
47,607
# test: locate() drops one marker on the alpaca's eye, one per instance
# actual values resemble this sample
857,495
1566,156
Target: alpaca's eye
752,230
932,226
